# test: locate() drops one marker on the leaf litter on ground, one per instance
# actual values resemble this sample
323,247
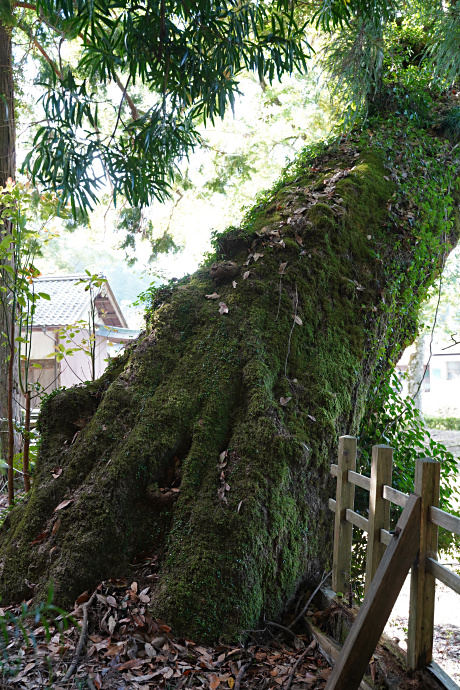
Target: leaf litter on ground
128,648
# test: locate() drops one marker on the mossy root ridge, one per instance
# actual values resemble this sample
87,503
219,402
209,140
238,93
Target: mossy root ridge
210,441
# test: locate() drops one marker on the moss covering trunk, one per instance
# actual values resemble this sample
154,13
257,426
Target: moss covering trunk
210,441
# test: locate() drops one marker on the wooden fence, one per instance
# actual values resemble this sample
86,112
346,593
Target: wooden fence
426,569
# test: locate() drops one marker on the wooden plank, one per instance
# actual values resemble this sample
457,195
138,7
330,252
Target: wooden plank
395,496
441,676
334,469
332,505
359,480
379,601
357,520
385,536
379,509
440,572
328,648
446,520
343,530
423,584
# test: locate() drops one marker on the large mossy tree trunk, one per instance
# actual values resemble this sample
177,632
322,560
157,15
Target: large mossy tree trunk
210,441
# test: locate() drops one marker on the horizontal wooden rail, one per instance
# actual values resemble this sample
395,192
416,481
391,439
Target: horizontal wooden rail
353,477
440,572
395,496
357,520
446,520
354,518
385,536
359,480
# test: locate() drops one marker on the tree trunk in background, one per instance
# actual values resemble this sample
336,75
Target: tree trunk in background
7,169
416,372
209,442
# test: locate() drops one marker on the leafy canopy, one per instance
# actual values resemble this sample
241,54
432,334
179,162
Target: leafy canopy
187,54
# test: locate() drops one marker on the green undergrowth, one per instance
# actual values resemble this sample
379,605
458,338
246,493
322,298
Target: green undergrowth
445,423
17,631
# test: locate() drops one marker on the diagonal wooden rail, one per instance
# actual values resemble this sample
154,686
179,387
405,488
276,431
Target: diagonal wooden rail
425,568
379,601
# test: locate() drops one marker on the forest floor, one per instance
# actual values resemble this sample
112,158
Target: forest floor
126,649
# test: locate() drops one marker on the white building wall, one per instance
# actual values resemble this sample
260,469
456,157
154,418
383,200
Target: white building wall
441,386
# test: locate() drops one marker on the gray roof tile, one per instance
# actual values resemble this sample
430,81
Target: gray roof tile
69,302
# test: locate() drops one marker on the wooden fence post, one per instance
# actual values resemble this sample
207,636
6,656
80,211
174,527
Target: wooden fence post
423,584
343,530
379,509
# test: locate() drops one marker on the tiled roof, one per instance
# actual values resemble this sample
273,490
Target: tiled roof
69,302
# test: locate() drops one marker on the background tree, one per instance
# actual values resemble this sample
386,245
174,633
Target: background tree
7,170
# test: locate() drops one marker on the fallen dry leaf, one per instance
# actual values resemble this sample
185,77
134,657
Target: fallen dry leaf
132,663
214,681
150,650
41,537
82,599
223,309
246,274
284,401
297,319
213,296
56,526
64,504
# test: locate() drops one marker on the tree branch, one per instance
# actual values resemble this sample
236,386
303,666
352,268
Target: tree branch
26,6
132,107
39,47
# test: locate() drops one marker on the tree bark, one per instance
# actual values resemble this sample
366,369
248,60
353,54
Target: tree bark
209,442
7,170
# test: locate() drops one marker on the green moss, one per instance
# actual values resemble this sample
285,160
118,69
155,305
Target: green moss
245,532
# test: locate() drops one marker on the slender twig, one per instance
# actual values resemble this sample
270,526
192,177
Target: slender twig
240,675
292,329
432,333
294,668
119,109
281,627
443,263
310,599
84,630
279,300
